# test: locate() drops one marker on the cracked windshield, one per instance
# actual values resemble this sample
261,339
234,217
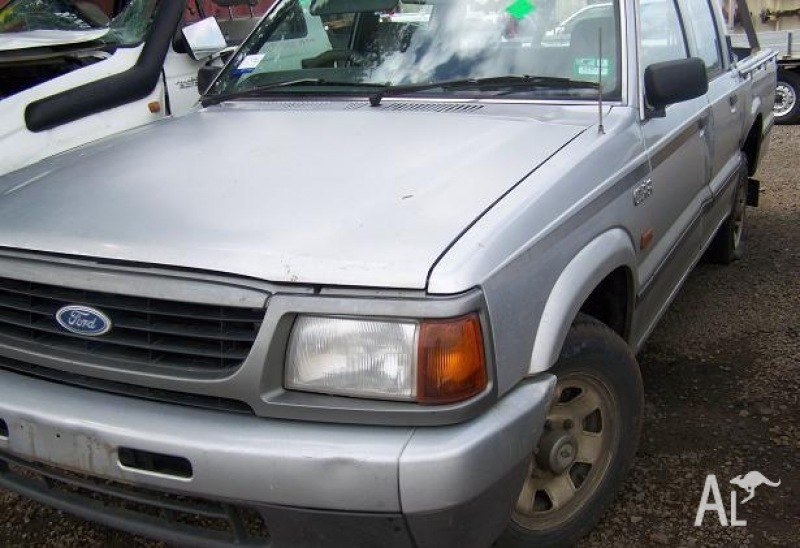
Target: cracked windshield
537,49
126,25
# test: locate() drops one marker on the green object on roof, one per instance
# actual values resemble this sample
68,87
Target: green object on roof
520,8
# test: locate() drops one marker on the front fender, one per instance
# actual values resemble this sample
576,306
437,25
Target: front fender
598,259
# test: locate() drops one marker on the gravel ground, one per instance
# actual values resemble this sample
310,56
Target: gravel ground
721,381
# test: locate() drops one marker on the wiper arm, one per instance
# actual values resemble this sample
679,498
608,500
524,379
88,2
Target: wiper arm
524,81
386,90
208,100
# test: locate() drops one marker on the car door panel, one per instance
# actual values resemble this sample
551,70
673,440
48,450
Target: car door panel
727,117
679,162
725,97
676,193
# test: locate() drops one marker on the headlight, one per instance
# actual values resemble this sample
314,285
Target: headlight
353,357
437,361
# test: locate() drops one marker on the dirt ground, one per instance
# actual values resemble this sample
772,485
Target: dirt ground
721,381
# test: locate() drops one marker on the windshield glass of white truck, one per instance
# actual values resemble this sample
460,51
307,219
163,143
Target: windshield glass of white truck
129,26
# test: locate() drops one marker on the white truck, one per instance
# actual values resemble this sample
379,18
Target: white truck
777,25
72,71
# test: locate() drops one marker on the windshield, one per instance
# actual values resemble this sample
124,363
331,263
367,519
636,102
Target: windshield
127,27
385,43
29,15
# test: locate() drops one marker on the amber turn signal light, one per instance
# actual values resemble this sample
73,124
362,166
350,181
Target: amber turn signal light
451,360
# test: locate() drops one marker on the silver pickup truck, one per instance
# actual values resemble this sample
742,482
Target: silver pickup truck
385,292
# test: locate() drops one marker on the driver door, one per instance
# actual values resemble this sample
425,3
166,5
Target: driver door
670,201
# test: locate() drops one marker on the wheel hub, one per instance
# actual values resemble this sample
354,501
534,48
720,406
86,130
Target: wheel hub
784,99
572,456
557,451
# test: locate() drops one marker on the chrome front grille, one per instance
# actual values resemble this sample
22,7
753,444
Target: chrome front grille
179,338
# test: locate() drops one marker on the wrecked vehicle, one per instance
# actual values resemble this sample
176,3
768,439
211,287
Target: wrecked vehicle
777,27
391,293
72,72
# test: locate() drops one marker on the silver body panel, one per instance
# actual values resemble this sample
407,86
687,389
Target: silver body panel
257,461
282,206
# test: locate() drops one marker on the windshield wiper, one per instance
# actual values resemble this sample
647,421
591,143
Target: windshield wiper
208,100
385,90
512,81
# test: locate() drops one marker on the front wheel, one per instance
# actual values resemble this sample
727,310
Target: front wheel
589,442
787,98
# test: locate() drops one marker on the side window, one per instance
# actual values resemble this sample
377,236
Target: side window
706,38
662,37
235,21
591,12
340,29
292,27
288,23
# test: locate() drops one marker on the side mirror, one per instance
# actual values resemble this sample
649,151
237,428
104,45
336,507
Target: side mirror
206,76
204,38
673,82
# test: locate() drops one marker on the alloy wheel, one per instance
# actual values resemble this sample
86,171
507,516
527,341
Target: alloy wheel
573,455
785,99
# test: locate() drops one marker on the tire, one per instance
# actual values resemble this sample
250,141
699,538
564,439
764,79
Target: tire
728,243
787,98
594,359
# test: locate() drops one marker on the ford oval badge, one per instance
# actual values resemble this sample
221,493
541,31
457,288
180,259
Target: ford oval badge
83,320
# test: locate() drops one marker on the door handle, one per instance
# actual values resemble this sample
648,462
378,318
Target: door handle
733,100
702,122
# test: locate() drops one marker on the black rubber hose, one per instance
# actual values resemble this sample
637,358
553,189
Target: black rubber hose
135,83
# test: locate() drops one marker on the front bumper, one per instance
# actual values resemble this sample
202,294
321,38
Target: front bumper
441,486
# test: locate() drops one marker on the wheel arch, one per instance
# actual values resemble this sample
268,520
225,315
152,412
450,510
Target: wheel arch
600,268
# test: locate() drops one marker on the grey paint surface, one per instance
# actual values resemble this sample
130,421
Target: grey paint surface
254,460
463,464
304,197
246,458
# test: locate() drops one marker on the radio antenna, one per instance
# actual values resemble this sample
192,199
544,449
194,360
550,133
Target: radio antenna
601,129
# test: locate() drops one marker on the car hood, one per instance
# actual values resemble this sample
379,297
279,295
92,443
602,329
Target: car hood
345,196
48,38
